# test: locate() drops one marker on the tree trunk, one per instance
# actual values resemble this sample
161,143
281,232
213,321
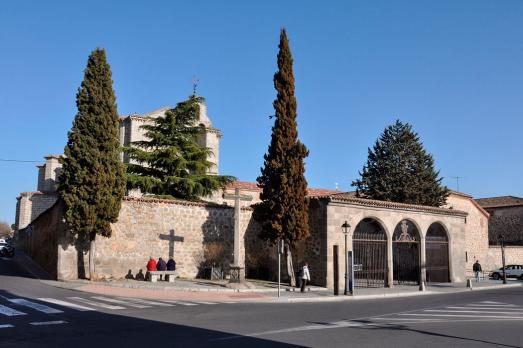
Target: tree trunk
290,268
92,250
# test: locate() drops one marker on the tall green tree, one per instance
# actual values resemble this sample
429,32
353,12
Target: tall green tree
283,212
92,182
171,163
399,169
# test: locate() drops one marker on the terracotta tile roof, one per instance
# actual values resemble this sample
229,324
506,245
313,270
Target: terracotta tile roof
252,186
498,202
350,197
244,185
471,199
179,202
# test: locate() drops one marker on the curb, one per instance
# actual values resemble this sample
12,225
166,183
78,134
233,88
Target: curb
342,298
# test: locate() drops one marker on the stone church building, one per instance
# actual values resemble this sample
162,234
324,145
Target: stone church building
392,243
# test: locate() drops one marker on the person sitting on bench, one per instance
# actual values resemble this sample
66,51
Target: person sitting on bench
161,266
171,265
151,266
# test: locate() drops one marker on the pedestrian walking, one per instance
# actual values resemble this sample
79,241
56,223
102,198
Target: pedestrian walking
477,271
305,276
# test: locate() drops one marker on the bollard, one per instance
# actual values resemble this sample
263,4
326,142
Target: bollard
469,283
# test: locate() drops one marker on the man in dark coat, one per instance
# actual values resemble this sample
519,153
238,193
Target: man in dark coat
161,266
171,265
477,270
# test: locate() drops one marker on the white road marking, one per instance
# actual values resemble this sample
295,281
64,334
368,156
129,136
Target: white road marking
461,315
471,311
203,302
10,311
147,302
492,305
38,306
55,322
5,326
95,304
66,304
113,300
180,302
489,308
494,302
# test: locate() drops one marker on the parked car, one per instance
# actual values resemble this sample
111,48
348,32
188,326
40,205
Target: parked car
6,250
511,271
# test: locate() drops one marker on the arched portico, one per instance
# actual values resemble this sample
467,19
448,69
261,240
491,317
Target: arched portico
406,249
437,254
369,244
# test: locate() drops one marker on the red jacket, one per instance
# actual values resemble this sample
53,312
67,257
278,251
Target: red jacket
151,265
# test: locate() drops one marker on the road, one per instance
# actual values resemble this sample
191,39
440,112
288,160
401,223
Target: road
33,314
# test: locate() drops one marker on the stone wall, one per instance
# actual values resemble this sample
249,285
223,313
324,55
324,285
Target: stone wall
513,255
203,234
30,205
507,221
338,212
40,239
476,229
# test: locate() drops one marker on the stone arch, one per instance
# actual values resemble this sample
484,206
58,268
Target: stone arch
369,245
406,252
437,253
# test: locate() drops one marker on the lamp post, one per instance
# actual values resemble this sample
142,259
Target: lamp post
501,240
346,231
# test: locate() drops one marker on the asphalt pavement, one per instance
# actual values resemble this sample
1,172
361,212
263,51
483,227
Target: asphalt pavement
35,314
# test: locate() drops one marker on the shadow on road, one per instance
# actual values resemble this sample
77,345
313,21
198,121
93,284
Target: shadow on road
397,327
97,329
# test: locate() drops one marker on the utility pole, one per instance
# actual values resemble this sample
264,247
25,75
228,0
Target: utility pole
457,181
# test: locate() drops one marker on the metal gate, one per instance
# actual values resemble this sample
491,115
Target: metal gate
437,254
369,244
405,254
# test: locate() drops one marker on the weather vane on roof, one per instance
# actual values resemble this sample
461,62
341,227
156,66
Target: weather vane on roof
195,81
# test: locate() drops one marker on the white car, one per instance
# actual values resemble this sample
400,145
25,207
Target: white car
511,271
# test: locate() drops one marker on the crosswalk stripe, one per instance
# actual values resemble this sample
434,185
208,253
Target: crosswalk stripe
66,304
147,302
471,311
113,300
462,315
180,302
5,326
95,304
55,322
37,306
10,311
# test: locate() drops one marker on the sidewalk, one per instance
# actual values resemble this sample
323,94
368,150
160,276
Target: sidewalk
263,292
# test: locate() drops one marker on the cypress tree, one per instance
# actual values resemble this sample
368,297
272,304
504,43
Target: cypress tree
283,211
171,163
92,182
399,169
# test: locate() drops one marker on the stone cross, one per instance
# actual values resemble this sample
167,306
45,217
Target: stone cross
171,238
237,209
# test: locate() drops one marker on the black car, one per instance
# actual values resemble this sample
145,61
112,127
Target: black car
6,250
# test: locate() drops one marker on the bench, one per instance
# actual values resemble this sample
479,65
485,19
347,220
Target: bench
169,275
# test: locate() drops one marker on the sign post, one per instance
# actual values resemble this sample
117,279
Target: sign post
350,263
280,252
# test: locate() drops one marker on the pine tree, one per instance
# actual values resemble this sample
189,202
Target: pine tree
92,181
171,163
399,169
283,210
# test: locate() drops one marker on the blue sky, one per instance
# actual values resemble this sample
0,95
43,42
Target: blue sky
454,69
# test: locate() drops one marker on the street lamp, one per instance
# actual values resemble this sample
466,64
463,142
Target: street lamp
501,240
346,231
